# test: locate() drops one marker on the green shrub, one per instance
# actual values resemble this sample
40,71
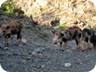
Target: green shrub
7,7
61,26
94,12
94,27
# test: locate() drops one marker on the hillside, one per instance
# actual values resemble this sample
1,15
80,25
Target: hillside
44,11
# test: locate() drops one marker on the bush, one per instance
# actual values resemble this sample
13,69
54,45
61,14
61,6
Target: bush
7,7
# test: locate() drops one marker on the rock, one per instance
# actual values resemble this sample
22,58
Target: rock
23,61
29,57
42,66
67,64
6,48
69,51
24,40
21,46
1,45
39,50
40,54
42,3
34,53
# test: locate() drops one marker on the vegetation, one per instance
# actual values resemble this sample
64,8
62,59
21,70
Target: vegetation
7,7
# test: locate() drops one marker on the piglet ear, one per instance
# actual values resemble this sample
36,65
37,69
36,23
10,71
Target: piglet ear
53,32
61,34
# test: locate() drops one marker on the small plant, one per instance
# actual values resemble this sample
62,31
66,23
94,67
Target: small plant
94,27
7,7
89,26
94,12
61,26
85,10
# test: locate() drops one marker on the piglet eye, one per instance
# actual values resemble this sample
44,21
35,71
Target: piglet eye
66,32
62,34
8,27
4,31
57,34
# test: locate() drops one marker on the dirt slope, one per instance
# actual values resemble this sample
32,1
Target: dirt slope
40,55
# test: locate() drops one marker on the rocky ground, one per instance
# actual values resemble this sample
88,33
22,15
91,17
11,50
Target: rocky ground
38,54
